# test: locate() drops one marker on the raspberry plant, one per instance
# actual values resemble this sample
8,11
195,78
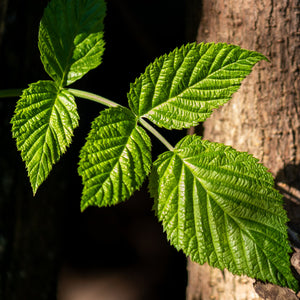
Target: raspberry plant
216,204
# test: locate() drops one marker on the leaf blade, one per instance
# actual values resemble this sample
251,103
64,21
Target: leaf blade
219,206
181,89
71,38
115,159
43,124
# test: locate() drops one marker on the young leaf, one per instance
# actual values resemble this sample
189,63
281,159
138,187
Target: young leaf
115,159
71,38
181,89
43,125
219,206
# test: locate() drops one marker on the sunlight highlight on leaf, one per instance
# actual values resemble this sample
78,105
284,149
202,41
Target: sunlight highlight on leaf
71,38
181,89
219,206
43,125
115,160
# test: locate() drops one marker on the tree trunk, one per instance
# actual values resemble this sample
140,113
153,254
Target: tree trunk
263,118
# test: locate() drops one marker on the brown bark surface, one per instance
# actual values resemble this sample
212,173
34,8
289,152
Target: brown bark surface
263,117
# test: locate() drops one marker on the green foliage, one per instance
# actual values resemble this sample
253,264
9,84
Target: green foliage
43,125
115,159
216,204
219,206
181,89
71,38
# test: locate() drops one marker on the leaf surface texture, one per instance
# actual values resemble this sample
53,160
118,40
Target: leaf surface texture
115,159
219,206
181,89
71,38
43,125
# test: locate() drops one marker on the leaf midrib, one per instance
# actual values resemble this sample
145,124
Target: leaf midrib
68,64
222,170
168,101
47,122
211,194
241,228
117,161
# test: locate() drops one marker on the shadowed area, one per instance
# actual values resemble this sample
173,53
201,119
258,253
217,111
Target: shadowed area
104,253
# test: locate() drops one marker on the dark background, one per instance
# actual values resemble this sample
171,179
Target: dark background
41,235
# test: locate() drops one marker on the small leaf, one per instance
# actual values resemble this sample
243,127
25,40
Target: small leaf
181,89
115,159
43,125
219,206
71,38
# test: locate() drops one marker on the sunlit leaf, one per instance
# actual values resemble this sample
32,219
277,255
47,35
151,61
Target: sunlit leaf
115,159
71,38
43,125
181,89
219,206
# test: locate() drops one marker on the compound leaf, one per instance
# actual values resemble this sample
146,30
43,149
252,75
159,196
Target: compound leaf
43,125
115,159
181,89
71,38
219,206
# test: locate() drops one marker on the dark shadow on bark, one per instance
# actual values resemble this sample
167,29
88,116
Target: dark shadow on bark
288,184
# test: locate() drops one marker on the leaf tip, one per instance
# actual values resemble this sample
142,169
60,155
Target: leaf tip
34,185
83,206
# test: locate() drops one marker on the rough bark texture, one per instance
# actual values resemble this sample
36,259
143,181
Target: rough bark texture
263,118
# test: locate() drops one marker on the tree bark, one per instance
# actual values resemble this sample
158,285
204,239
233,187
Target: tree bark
263,118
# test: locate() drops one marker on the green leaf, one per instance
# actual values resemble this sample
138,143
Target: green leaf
219,206
71,38
115,159
43,125
181,89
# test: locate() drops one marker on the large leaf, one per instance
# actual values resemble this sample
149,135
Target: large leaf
181,89
219,206
71,38
43,125
115,159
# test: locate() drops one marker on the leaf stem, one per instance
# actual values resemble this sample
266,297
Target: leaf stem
107,102
93,97
156,134
10,93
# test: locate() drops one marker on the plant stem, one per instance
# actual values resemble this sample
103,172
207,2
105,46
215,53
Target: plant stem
10,93
156,134
93,97
107,102
98,99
